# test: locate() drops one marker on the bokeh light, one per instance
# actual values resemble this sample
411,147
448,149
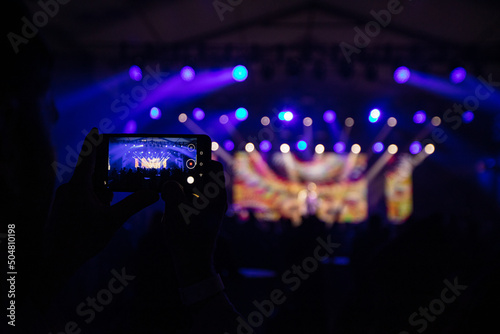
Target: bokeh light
183,117
265,121
155,113
329,116
198,114
436,121
187,73
215,146
419,117
285,148
458,75
356,148
319,149
223,119
265,146
228,145
429,148
468,116
349,122
374,115
339,147
392,122
378,147
135,73
249,147
392,149
307,121
301,145
241,114
240,73
415,147
402,74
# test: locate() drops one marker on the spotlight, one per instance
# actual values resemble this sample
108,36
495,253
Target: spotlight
419,117
135,73
468,116
198,114
402,74
307,121
249,147
215,146
458,75
284,148
349,122
356,148
265,121
392,149
265,146
241,114
187,73
228,145
301,145
183,117
415,147
329,116
281,116
374,115
429,149
339,147
392,122
287,116
378,147
223,119
155,113
240,73
319,149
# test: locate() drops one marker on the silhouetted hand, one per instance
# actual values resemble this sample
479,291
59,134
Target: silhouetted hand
192,219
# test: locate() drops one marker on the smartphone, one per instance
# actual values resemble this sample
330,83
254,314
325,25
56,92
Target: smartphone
129,162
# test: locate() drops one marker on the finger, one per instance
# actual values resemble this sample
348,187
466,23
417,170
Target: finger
130,205
86,160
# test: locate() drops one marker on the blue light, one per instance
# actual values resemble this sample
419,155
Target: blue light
281,116
155,113
187,73
402,74
374,115
265,146
198,114
468,116
240,73
241,114
339,147
415,147
135,73
130,127
458,75
301,145
419,117
378,147
329,116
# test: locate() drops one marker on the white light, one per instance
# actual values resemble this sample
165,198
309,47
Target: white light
319,149
190,180
183,117
436,121
265,121
249,147
391,121
429,149
285,148
223,119
307,121
392,149
288,116
349,121
215,146
356,148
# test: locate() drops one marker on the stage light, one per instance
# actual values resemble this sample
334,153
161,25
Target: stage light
329,116
265,146
287,116
187,73
415,147
183,117
130,127
349,122
223,119
241,114
339,147
378,147
198,114
319,149
392,149
436,121
301,145
240,73
392,121
419,117
215,146
228,145
135,73
155,113
458,75
356,148
249,147
307,121
468,116
284,148
374,115
429,149
402,74
265,121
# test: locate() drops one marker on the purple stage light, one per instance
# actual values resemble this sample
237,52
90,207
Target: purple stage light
329,116
339,147
155,113
458,75
374,115
402,74
130,127
241,114
378,147
468,116
419,117
301,145
240,73
187,73
265,146
415,147
228,145
135,73
198,114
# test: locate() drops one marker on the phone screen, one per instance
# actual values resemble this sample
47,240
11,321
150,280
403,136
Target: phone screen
137,162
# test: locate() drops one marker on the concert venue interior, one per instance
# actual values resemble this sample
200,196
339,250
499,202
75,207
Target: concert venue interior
373,124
